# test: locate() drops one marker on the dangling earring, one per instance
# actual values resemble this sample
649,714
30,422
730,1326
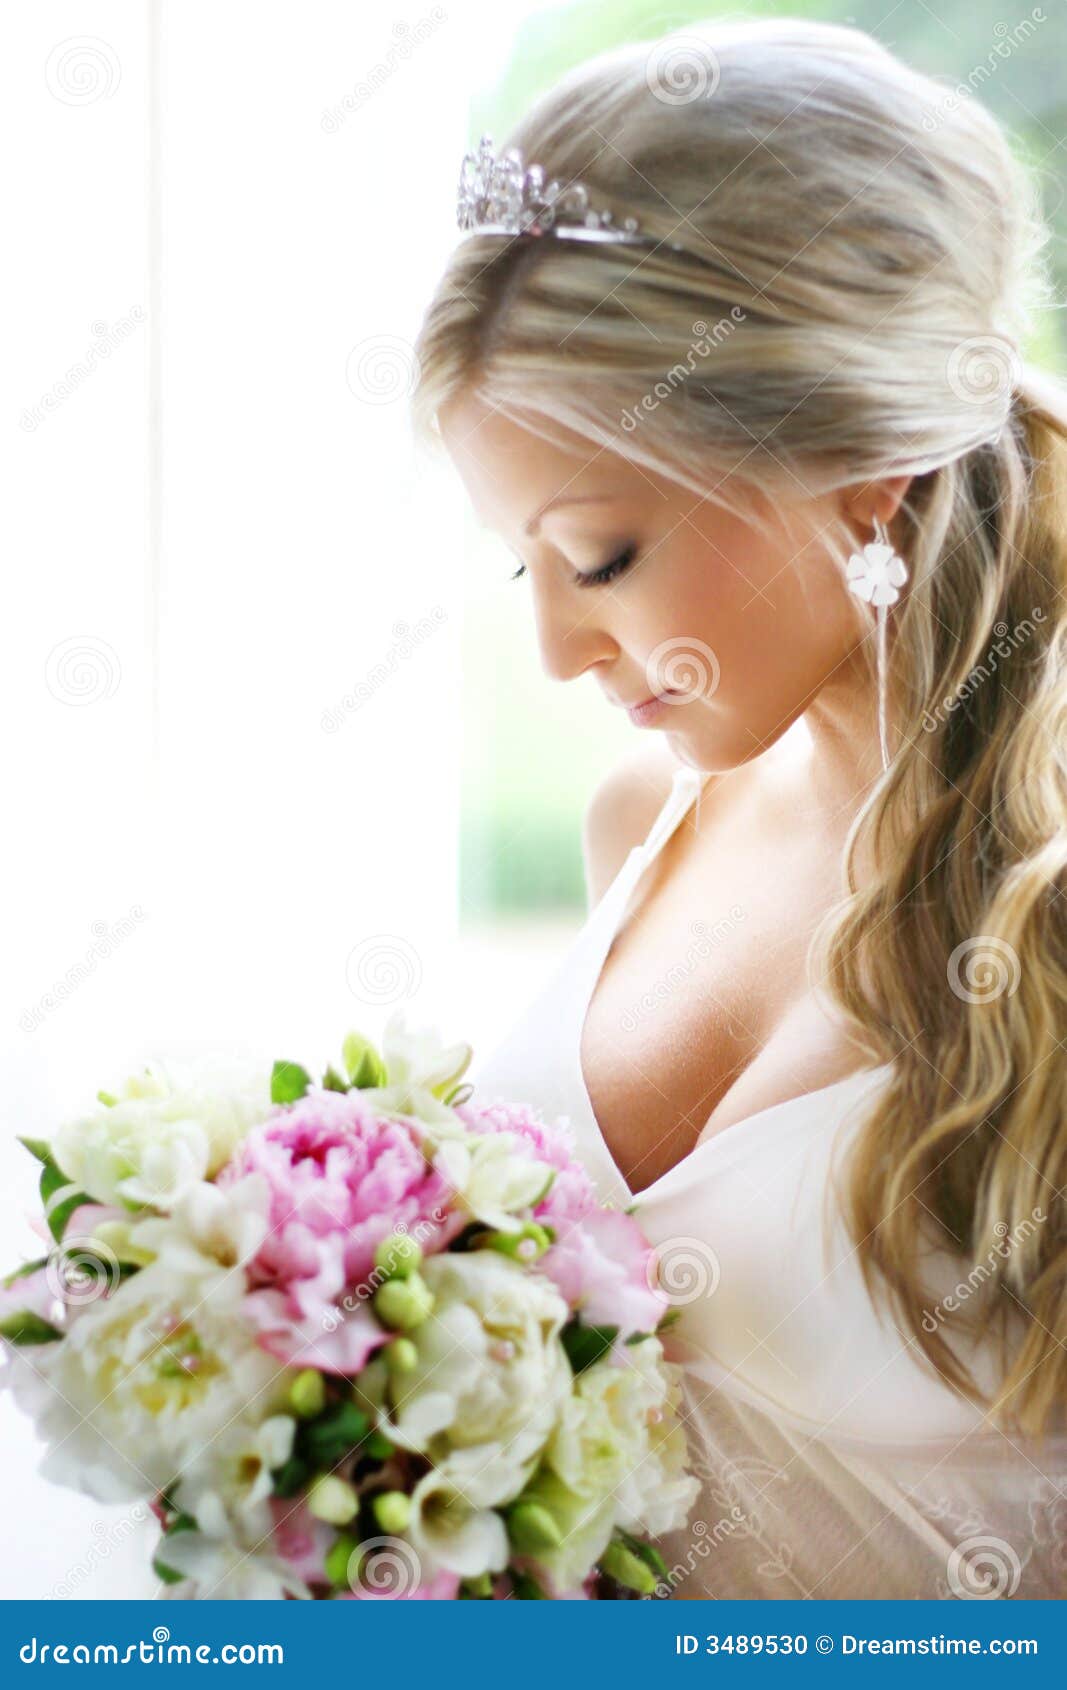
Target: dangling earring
876,575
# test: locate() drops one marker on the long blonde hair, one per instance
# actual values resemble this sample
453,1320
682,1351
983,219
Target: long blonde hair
843,259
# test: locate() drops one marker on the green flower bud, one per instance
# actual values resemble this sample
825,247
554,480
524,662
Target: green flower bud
481,1585
624,1567
332,1499
401,1354
402,1304
307,1394
338,1557
525,1244
398,1256
392,1510
365,1066
115,1236
532,1528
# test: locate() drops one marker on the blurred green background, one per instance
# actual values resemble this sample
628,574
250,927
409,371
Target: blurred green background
534,749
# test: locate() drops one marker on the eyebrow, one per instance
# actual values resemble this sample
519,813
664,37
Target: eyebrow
534,523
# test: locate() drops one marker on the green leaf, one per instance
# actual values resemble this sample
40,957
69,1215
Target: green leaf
37,1147
332,1081
646,1552
586,1344
526,1588
671,1318
183,1523
288,1082
21,1272
326,1441
638,1337
25,1327
290,1477
52,1180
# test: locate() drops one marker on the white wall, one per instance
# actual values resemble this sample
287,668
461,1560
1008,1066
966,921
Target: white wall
215,534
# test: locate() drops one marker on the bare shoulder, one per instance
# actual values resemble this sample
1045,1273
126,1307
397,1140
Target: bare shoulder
621,810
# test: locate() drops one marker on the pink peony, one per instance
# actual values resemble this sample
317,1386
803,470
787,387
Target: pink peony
571,1194
601,1261
340,1179
603,1266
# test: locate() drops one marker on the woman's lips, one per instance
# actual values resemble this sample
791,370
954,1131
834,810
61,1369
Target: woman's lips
643,715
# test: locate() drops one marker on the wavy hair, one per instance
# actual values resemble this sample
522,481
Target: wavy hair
843,260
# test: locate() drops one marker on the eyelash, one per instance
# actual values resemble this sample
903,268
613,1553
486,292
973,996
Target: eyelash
598,577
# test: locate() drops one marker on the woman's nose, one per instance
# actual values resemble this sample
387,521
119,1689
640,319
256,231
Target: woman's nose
569,637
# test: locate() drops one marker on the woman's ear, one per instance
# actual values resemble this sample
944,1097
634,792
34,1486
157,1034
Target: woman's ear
874,501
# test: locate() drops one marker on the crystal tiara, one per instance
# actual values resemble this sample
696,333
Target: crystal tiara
499,195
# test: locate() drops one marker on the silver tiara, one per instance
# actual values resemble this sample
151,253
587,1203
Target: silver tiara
499,195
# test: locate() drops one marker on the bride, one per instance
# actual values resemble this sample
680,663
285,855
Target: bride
746,401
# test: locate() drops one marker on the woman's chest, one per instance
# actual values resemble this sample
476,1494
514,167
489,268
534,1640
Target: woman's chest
704,982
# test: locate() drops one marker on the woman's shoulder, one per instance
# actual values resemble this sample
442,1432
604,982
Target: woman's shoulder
623,805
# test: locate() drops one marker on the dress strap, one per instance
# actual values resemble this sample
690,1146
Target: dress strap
609,913
685,786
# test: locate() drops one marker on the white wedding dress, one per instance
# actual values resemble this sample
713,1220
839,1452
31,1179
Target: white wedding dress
832,1463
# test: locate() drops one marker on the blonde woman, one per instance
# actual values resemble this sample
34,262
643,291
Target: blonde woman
746,400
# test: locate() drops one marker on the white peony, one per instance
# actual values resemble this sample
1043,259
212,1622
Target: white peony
619,1434
145,1379
491,1370
164,1132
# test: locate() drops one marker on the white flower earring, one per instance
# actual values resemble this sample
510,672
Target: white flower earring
876,575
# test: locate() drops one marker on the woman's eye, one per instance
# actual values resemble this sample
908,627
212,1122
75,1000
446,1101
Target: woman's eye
608,571
597,577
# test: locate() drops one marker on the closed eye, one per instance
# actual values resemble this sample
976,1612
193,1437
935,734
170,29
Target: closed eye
597,577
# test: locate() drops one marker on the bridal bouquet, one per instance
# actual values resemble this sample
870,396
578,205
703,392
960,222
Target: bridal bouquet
357,1338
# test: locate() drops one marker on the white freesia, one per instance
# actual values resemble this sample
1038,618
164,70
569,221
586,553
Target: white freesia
420,1072
145,1379
619,1434
165,1131
490,1369
209,1227
452,1526
494,1176
228,1484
